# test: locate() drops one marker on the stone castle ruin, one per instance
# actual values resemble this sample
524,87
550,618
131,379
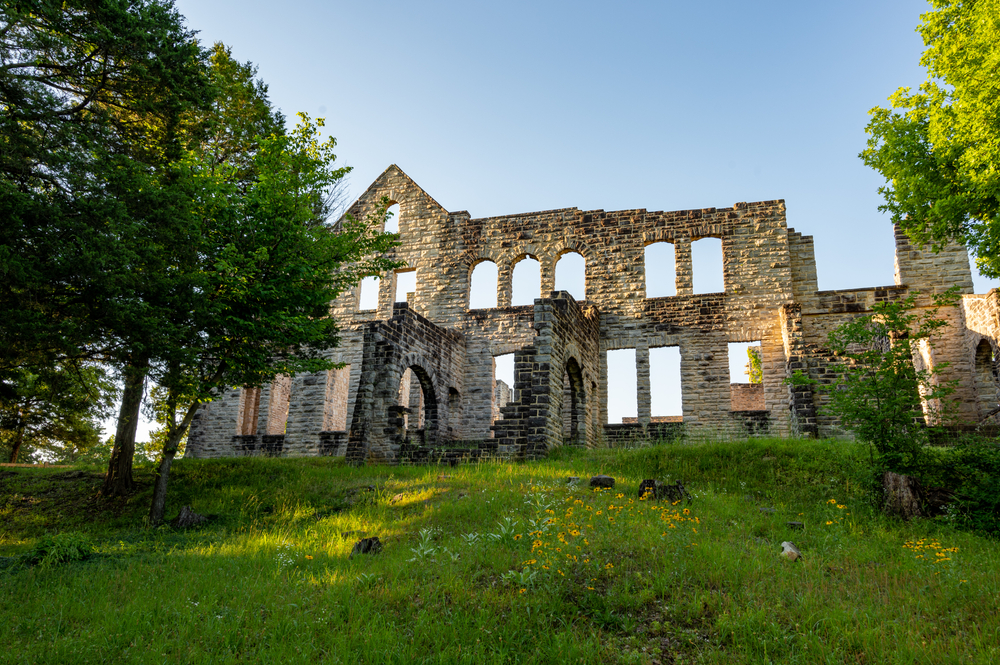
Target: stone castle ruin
419,384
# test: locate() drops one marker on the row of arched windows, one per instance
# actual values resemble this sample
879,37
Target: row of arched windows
570,275
526,280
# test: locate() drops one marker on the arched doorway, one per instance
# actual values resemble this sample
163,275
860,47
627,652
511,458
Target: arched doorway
417,396
574,402
986,380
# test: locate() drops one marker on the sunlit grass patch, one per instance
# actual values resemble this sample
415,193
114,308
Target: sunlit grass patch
499,562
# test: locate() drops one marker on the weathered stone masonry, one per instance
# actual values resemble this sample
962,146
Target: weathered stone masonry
419,381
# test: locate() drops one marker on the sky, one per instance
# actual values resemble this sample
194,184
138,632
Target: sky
508,107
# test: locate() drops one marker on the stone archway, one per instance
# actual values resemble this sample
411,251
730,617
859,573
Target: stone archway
428,421
986,380
574,405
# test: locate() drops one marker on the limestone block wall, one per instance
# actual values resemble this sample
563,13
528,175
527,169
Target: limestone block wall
214,426
982,342
747,396
567,348
770,296
406,341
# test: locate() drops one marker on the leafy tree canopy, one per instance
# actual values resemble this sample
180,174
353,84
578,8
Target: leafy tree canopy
53,413
939,148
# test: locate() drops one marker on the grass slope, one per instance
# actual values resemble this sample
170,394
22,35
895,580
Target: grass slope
498,563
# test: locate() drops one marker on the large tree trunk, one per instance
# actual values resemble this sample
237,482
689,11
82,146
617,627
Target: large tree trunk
903,495
119,481
18,441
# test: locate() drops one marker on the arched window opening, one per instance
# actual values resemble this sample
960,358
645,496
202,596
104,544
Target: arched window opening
483,286
571,275
416,393
526,282
661,270
623,386
411,395
665,399
986,382
406,283
392,223
368,298
706,266
746,376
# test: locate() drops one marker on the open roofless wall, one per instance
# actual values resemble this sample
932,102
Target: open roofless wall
559,396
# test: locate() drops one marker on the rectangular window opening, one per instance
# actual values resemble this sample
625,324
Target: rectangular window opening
278,403
503,386
746,376
660,264
707,266
665,384
623,387
338,383
406,283
368,299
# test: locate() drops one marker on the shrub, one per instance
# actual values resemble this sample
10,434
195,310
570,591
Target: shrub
973,467
59,548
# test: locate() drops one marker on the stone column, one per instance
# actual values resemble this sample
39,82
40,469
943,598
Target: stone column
505,285
386,295
642,383
682,267
548,278
602,393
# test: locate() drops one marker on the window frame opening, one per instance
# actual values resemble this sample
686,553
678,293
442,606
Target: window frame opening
398,274
619,386
478,290
660,286
713,266
520,286
666,391
368,285
575,282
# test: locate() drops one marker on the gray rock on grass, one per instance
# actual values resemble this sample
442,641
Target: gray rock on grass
790,551
367,546
602,481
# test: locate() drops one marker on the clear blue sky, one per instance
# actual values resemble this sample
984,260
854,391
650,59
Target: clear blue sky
511,107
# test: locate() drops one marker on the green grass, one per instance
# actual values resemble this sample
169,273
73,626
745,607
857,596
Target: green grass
470,570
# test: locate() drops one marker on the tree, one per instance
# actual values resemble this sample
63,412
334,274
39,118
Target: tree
268,273
881,394
54,412
753,368
939,149
93,94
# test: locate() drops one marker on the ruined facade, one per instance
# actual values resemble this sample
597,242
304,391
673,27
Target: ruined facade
418,381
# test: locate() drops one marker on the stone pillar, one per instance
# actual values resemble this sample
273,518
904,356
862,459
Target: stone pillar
602,392
682,267
386,295
548,278
505,285
642,383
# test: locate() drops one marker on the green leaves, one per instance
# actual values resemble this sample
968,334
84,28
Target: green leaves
939,149
885,385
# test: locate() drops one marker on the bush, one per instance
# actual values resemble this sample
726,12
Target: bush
973,469
59,548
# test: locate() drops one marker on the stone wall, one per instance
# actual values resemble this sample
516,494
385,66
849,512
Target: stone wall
746,396
560,394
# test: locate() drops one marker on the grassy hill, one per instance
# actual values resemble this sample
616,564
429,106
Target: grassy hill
496,562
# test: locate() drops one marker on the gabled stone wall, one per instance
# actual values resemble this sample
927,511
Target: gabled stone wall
561,346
